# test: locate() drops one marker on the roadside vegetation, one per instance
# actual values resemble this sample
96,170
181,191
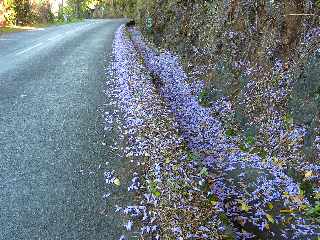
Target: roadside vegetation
19,15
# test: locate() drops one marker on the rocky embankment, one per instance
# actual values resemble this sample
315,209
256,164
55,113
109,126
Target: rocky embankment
192,178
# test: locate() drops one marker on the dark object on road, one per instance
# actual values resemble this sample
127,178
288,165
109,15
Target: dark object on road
130,23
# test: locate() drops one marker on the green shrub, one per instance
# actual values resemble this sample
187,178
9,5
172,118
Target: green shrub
9,12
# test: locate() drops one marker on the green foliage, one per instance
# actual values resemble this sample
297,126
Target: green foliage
204,98
248,143
204,172
231,132
154,188
261,152
243,148
315,211
228,232
213,199
250,140
129,7
193,156
23,11
307,188
224,219
68,11
288,120
27,12
9,12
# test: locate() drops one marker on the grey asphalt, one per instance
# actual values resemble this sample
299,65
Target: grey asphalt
52,151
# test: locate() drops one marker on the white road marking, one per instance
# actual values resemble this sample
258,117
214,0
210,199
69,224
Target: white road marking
51,39
6,39
30,48
56,37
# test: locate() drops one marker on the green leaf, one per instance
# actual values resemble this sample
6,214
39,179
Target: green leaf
260,152
307,187
243,148
288,120
223,217
270,218
213,199
157,193
204,98
204,172
288,211
231,132
192,156
315,211
250,140
117,182
167,160
244,206
154,188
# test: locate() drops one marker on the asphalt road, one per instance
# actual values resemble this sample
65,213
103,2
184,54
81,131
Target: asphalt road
52,144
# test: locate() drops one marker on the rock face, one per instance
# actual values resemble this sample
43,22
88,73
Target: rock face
249,187
304,101
262,56
254,65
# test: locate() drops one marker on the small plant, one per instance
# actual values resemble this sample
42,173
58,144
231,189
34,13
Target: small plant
154,188
191,156
307,188
204,172
261,152
250,140
314,212
288,120
243,148
204,98
231,132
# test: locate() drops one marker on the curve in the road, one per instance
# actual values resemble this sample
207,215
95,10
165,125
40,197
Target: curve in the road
51,135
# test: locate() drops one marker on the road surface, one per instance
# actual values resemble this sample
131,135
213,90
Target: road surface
51,133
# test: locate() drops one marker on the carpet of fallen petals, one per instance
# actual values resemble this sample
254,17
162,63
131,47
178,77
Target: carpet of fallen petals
190,179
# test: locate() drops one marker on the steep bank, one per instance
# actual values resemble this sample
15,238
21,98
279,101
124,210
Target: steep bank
259,59
262,56
196,182
250,189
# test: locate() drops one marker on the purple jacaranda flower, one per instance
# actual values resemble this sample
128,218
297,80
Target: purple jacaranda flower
129,225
